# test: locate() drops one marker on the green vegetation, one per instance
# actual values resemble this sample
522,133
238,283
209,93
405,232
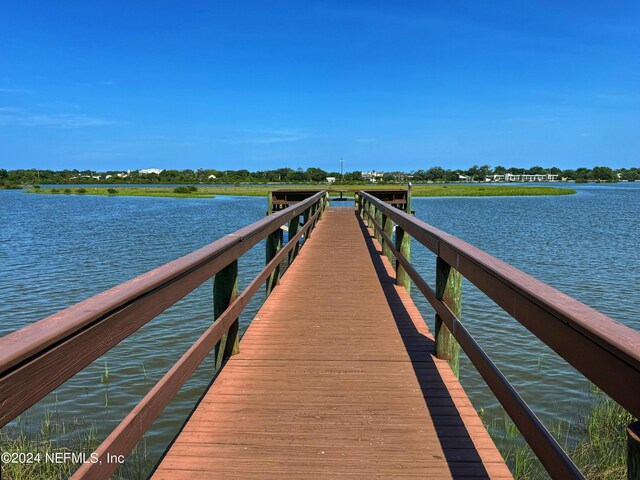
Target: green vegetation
56,436
600,452
14,178
129,192
417,191
189,189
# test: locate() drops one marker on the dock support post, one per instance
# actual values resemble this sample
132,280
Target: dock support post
387,227
294,224
312,211
269,203
633,451
379,221
274,242
449,290
403,245
225,291
372,212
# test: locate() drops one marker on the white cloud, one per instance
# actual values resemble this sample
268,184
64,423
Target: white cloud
15,90
10,116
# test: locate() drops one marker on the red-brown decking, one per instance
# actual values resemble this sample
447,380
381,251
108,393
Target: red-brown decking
335,379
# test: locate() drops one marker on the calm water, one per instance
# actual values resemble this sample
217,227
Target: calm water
58,250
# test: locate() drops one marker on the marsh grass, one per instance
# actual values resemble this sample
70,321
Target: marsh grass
254,190
54,435
600,451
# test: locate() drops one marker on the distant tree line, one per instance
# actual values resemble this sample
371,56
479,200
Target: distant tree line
9,178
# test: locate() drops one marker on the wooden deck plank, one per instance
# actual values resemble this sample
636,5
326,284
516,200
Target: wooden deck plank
335,378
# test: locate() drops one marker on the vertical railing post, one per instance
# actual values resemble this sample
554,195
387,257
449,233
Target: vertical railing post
269,203
379,222
387,226
356,199
449,290
403,245
305,216
274,242
312,211
633,451
225,291
294,224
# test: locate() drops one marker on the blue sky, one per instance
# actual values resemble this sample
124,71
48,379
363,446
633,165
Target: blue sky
386,85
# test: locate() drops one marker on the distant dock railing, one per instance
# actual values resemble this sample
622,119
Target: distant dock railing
603,350
40,357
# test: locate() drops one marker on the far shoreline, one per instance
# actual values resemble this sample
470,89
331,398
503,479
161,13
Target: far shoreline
430,190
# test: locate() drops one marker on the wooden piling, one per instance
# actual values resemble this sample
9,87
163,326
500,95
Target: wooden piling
225,291
403,245
633,451
294,224
274,243
269,203
387,226
449,290
378,218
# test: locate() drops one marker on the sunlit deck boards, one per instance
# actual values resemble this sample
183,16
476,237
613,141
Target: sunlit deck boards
335,379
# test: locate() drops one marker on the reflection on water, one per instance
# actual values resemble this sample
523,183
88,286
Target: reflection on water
58,250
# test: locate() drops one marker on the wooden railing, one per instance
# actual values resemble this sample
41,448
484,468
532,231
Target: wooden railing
38,358
603,350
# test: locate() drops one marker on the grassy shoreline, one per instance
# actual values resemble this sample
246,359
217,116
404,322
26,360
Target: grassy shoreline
248,190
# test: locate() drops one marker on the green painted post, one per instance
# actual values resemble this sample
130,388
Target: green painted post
294,223
274,242
356,199
633,451
403,245
449,290
225,291
379,221
269,203
305,216
312,211
372,212
387,226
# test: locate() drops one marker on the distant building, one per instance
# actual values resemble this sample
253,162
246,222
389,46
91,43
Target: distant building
157,171
509,177
464,178
371,176
123,175
211,177
540,178
331,179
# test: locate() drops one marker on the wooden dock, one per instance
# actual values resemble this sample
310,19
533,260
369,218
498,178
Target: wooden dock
336,382
337,375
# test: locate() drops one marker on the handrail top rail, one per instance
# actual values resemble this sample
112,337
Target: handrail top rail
22,344
620,340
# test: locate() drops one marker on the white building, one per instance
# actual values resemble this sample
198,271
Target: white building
157,171
539,177
371,176
331,179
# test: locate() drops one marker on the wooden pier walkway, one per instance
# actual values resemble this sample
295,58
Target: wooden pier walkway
337,375
335,379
